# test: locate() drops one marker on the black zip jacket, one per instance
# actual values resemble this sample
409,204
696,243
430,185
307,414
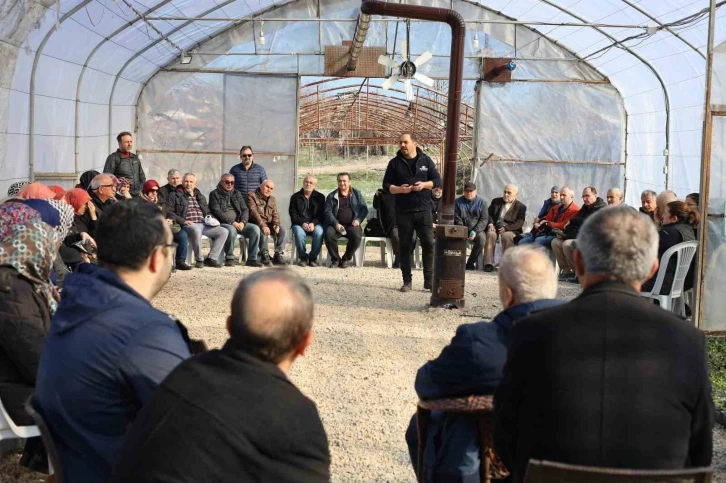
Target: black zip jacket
399,173
219,200
297,208
178,205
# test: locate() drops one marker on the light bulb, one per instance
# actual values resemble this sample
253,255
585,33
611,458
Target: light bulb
261,40
475,42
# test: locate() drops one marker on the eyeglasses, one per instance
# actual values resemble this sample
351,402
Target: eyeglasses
228,182
107,186
245,155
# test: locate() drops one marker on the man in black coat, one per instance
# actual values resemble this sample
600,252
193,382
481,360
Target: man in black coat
609,379
411,175
232,415
307,211
506,218
472,364
563,246
122,163
173,178
228,206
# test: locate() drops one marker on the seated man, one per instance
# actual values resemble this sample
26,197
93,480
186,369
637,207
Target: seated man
108,348
188,207
470,210
564,245
472,364
232,414
264,214
556,219
647,203
506,218
345,210
173,178
307,208
614,197
661,201
608,379
229,206
554,199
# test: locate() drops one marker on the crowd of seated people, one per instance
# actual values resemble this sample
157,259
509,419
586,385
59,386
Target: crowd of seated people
121,394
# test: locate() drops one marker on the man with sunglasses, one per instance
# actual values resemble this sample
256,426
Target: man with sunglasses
109,348
248,176
229,206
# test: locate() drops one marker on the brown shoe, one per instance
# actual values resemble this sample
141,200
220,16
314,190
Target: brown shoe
406,287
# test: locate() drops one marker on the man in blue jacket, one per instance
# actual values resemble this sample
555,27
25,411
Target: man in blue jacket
411,176
470,210
248,175
108,347
345,210
472,364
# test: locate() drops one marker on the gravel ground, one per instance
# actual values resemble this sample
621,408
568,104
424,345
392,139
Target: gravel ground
369,341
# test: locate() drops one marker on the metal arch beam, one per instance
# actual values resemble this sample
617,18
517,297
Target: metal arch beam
138,54
83,72
666,96
667,29
31,103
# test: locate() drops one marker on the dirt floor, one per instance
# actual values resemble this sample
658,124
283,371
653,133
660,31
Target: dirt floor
369,341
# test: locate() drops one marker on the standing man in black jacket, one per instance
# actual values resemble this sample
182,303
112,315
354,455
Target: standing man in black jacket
307,210
122,163
229,207
232,414
411,176
609,379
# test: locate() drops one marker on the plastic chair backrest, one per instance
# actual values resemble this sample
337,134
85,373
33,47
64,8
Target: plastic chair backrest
550,472
9,430
684,255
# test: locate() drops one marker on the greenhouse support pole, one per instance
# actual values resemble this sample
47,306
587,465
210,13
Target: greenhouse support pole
705,169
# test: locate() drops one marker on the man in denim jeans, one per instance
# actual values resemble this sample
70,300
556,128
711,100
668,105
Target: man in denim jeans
306,213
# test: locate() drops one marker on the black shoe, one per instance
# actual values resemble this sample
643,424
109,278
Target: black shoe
428,285
488,267
406,287
279,259
183,266
312,263
470,266
335,262
303,262
254,263
199,264
565,276
208,262
345,263
396,263
266,260
230,263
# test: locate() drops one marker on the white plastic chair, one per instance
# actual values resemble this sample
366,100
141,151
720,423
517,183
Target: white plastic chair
684,253
9,430
386,250
293,250
242,250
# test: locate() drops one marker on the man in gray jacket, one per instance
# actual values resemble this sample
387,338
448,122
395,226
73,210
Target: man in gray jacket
124,164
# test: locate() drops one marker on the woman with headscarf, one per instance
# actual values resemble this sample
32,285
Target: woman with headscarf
16,187
150,193
51,216
86,178
36,191
27,302
80,201
59,192
69,251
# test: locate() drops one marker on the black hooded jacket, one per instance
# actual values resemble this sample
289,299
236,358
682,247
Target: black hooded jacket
585,211
399,172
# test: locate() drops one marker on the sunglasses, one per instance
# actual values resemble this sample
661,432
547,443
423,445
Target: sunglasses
245,155
228,182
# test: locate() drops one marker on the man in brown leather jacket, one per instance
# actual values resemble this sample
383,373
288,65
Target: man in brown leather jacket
264,213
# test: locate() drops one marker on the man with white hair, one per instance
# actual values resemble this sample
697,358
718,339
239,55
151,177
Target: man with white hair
173,178
307,212
661,201
614,197
506,218
472,364
609,379
647,203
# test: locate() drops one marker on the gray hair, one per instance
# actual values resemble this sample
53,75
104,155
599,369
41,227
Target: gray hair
566,188
172,172
98,180
648,193
271,332
620,242
528,272
189,174
667,196
616,192
226,175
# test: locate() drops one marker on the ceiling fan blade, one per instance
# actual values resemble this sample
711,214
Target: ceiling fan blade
424,79
404,49
387,61
389,82
423,58
409,89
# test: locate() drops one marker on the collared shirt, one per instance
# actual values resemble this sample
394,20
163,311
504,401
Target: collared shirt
505,210
194,212
124,155
345,212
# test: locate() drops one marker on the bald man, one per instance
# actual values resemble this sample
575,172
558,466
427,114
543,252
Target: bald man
232,414
264,214
661,201
506,218
614,197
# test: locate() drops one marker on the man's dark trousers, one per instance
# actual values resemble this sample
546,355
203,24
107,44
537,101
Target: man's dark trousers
354,234
422,223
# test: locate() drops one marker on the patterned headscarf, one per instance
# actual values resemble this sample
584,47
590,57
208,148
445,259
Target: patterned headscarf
66,217
77,198
15,187
30,249
12,214
36,191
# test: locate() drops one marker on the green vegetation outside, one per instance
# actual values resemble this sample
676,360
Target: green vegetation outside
717,368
